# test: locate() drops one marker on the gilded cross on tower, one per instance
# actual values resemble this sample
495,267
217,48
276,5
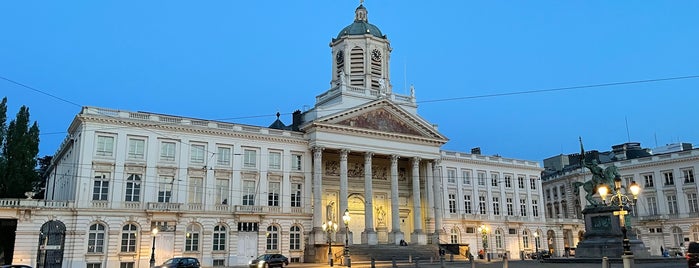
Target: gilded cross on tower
361,2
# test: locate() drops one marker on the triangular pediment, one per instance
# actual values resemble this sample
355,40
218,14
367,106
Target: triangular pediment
382,117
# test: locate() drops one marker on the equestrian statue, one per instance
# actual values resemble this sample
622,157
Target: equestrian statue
599,176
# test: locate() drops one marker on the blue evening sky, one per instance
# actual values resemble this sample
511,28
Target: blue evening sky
242,61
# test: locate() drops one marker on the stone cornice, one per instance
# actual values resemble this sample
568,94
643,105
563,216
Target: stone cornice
341,129
489,163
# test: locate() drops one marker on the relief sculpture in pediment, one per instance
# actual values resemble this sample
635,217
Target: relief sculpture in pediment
380,120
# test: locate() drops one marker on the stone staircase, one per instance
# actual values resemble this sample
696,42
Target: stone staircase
387,252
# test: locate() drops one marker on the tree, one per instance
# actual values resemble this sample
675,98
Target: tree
19,153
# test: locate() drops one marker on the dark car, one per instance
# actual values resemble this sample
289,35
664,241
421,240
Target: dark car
15,266
544,254
269,260
692,255
181,262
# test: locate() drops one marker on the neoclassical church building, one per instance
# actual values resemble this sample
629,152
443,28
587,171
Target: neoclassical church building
224,192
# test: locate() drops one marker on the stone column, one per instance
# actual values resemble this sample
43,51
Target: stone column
318,195
418,236
343,193
429,192
438,202
396,235
369,235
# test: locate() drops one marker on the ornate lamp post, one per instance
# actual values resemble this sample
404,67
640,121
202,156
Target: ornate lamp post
346,218
330,227
536,244
484,236
622,201
152,252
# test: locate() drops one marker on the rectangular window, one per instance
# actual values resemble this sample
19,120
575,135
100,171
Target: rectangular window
250,158
563,192
137,148
165,189
520,182
452,203
222,188
466,176
510,206
692,202
197,153
248,193
648,180
669,178
219,262
496,206
652,205
273,194
494,179
688,175
481,178
451,175
535,208
296,162
94,265
100,190
481,205
532,183
467,204
105,146
275,160
133,188
672,204
223,156
523,207
296,195
126,265
196,190
167,151
508,181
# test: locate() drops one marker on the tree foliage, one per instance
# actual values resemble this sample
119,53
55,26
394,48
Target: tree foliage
18,157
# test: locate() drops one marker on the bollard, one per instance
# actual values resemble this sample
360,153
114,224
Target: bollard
473,263
373,262
605,262
451,257
505,264
441,261
417,262
393,262
431,259
410,257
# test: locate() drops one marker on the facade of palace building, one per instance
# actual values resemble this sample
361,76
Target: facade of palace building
666,213
225,192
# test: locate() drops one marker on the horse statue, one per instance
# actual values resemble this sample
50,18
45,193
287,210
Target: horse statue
599,176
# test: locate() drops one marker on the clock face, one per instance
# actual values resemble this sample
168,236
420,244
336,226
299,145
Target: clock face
376,55
340,58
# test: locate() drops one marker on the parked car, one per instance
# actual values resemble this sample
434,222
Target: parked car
692,255
269,260
15,266
543,253
181,262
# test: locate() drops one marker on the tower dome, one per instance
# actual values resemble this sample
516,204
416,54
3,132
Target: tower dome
361,25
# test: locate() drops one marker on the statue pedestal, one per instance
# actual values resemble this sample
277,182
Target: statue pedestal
603,236
382,233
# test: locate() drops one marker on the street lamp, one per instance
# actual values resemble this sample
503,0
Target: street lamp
346,218
536,244
622,201
152,252
330,227
484,235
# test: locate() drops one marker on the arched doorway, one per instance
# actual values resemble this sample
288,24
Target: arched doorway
356,208
551,242
51,242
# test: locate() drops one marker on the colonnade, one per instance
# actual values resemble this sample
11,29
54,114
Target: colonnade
369,235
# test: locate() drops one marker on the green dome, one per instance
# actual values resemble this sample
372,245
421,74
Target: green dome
361,25
361,28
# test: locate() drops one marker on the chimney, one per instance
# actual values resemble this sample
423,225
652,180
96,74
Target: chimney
476,150
296,120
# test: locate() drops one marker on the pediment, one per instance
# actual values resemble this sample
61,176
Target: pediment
382,117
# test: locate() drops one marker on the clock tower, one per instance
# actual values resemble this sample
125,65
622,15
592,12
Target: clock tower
361,54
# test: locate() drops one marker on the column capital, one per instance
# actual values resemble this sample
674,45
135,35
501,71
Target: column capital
344,153
368,154
394,158
416,160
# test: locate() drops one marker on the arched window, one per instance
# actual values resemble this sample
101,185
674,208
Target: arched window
191,240
695,233
454,236
525,239
295,238
272,238
219,238
95,238
498,238
128,238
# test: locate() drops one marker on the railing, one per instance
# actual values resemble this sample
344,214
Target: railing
164,206
34,203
